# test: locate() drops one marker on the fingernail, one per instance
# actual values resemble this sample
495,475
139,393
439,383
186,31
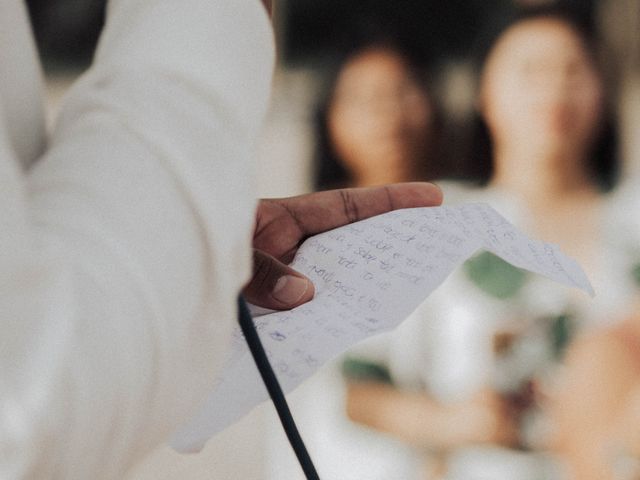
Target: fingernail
290,289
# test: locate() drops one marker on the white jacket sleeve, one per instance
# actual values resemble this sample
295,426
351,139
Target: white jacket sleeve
122,252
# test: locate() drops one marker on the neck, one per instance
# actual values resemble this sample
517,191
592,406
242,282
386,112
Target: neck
542,179
372,178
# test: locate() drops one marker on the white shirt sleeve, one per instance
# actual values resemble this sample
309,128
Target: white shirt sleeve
20,84
123,250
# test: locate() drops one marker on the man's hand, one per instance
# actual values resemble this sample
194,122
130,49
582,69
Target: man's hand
283,224
268,4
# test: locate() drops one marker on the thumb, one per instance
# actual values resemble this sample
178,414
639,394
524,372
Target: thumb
276,286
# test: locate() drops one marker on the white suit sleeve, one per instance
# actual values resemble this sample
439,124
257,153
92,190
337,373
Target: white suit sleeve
125,247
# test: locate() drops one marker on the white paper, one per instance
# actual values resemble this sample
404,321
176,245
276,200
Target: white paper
369,276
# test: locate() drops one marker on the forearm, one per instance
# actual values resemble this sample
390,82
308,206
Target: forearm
412,417
598,376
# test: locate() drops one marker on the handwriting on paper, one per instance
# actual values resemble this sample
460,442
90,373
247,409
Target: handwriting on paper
369,276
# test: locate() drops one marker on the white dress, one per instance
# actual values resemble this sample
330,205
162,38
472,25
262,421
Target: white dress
447,346
124,238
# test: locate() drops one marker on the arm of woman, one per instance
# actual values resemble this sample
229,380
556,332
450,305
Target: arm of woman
599,375
421,421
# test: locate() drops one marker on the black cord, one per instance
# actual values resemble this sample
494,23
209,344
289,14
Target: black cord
275,391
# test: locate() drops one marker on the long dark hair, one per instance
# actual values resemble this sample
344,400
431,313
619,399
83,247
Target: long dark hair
329,171
603,164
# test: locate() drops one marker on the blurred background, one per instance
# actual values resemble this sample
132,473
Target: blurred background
531,106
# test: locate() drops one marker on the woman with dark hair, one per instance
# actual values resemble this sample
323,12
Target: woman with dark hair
600,160
376,123
471,370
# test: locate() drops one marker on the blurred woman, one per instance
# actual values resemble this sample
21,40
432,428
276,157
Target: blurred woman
377,123
473,366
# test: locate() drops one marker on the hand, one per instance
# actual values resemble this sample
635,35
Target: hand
487,418
283,224
268,4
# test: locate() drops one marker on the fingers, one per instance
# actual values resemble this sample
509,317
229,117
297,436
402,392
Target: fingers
318,212
268,4
276,286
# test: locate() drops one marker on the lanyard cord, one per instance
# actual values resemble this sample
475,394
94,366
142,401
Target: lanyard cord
275,391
